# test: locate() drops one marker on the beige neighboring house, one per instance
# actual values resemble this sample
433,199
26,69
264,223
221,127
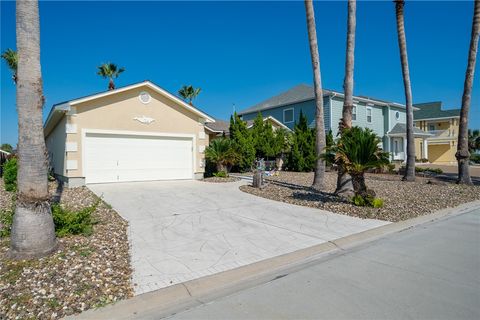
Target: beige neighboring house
136,133
221,128
443,126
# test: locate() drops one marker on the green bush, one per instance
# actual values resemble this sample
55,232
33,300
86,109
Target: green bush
10,174
302,156
69,222
358,200
432,170
475,158
220,174
367,201
6,221
377,203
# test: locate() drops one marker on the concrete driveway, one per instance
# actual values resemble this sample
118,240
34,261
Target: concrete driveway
183,230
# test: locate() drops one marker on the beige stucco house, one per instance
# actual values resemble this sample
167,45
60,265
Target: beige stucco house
135,133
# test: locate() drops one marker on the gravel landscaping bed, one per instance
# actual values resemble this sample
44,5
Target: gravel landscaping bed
403,200
84,273
220,180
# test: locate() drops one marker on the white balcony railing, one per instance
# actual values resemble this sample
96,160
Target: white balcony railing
439,134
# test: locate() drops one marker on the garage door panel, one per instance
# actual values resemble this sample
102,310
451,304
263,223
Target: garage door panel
121,158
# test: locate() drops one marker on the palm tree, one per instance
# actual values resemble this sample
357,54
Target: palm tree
189,93
222,153
473,140
11,58
344,181
319,177
357,151
7,147
33,232
111,71
402,43
462,154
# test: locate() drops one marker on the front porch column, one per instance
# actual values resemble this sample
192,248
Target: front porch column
425,148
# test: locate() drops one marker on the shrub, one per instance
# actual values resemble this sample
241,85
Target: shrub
10,174
432,170
302,156
367,201
223,153
377,203
243,142
475,158
220,174
6,221
69,222
358,200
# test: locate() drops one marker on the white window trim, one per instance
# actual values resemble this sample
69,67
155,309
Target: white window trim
293,115
356,112
371,114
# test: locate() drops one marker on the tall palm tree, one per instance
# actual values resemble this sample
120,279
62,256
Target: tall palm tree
319,177
402,44
111,71
462,154
344,181
33,232
189,93
11,58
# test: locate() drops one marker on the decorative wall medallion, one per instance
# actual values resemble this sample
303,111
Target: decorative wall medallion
144,119
144,97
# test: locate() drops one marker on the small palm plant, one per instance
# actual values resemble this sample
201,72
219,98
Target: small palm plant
11,58
222,153
111,71
357,151
189,93
473,140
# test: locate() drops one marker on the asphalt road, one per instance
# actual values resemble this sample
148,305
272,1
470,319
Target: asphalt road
431,271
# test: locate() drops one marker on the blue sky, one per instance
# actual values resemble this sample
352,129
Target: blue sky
242,52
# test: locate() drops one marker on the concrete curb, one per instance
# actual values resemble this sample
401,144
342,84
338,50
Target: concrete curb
183,296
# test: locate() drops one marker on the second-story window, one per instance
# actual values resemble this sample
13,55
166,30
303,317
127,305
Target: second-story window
369,115
354,113
288,115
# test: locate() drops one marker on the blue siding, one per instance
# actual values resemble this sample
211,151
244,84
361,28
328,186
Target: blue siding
383,118
378,115
307,107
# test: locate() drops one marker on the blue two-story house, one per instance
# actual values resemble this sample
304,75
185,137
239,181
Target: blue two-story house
386,119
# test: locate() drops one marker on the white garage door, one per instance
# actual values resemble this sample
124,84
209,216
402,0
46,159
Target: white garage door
118,158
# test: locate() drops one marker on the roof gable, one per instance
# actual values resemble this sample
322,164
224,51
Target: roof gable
59,109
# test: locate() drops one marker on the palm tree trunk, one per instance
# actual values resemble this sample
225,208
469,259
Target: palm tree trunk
111,84
344,181
33,232
463,154
402,43
358,181
319,177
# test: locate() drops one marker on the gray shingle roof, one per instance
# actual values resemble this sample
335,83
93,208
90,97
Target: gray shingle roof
432,110
301,92
401,128
218,125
